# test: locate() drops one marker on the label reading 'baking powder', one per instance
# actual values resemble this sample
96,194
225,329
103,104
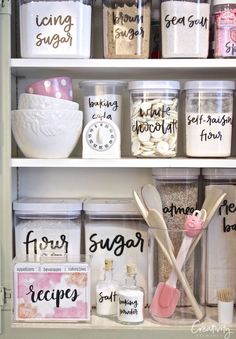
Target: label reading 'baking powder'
130,308
225,33
208,134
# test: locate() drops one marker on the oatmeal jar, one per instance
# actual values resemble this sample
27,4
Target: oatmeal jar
225,28
154,118
126,28
114,229
55,28
47,228
185,28
179,190
220,249
208,118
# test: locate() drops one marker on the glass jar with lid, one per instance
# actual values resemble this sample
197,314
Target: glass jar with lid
185,28
126,28
225,28
154,118
208,118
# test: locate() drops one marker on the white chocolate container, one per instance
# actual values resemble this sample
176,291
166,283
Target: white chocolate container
47,228
55,29
154,118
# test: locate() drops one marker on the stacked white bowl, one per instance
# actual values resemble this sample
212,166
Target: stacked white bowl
46,127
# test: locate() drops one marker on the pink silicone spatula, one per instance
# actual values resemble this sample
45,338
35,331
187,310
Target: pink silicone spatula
167,295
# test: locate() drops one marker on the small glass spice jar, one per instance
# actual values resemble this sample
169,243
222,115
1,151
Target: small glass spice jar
154,118
208,118
225,28
126,28
185,28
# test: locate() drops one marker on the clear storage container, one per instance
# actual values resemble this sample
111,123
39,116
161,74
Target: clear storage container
225,28
47,228
208,117
55,29
185,28
102,99
220,249
126,28
114,229
154,118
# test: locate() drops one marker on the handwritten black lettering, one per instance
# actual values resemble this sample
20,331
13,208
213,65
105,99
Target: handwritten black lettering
164,127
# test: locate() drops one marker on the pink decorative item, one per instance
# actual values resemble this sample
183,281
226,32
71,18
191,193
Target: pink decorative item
59,87
52,292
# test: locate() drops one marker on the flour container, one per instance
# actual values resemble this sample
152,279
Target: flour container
185,28
47,228
208,118
221,236
126,28
114,229
55,29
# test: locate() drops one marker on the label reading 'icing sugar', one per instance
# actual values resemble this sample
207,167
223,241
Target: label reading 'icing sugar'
225,33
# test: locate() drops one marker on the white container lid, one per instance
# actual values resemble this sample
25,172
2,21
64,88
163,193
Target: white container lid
111,206
47,205
223,2
160,85
176,173
216,85
88,83
219,173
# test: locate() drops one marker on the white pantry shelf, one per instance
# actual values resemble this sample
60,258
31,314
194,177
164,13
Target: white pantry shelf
126,163
126,68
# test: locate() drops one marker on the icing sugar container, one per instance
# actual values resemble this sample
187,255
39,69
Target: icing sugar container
208,118
225,28
185,28
55,28
47,228
154,118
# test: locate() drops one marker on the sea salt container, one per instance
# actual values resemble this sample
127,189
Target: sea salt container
220,249
55,29
114,229
154,118
185,28
126,28
208,118
103,99
47,228
225,28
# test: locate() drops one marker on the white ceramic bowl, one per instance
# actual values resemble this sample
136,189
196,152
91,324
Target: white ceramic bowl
35,101
47,133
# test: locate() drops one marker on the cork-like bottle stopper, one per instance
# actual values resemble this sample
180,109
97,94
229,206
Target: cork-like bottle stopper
131,269
108,264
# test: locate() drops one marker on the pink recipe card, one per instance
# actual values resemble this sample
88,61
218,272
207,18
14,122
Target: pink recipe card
52,292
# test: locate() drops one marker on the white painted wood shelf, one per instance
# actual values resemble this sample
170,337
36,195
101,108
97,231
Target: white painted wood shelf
126,163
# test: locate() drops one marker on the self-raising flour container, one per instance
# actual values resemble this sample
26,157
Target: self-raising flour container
208,118
47,228
55,29
114,229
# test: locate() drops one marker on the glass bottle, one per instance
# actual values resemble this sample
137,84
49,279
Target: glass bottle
130,299
106,292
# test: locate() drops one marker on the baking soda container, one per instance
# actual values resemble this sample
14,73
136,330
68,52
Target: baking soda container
126,28
225,28
47,228
154,118
185,28
220,247
55,29
208,118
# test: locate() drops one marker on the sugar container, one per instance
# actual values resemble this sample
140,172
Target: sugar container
225,28
220,249
47,228
126,28
114,229
208,118
154,118
185,28
55,29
